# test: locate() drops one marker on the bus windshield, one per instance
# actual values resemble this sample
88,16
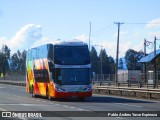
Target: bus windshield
72,55
72,76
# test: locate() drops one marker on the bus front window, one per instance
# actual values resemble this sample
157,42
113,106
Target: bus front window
72,76
72,55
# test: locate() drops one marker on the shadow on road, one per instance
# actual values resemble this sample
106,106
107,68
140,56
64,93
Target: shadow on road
104,99
101,99
109,99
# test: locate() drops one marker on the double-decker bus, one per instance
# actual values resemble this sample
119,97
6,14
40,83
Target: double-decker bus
59,70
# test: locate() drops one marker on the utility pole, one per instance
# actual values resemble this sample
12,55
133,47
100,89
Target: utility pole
116,68
146,43
155,65
145,75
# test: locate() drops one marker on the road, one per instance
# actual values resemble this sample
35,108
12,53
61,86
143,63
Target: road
15,98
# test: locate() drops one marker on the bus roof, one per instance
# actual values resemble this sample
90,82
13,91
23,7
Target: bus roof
74,42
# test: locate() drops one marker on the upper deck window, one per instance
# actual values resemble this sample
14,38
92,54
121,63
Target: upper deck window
72,55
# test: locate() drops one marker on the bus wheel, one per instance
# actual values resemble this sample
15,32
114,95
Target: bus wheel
47,94
50,98
32,92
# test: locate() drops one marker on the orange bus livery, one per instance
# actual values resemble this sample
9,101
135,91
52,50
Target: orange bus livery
59,70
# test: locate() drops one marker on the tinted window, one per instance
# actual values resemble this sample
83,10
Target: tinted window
41,75
72,55
72,76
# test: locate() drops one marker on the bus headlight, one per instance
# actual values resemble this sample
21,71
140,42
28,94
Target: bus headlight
59,89
87,88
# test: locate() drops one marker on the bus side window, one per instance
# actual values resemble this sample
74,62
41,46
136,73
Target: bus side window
41,75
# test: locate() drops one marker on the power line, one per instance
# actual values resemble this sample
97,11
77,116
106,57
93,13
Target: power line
140,23
106,28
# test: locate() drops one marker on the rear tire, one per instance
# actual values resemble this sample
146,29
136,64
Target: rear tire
48,96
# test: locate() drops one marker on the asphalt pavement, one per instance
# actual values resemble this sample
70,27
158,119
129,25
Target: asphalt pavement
22,106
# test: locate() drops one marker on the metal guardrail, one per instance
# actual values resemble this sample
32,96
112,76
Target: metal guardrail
121,90
19,83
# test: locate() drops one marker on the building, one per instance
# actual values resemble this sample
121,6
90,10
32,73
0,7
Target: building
131,76
151,67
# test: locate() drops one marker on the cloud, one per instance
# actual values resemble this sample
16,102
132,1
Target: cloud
26,35
153,34
155,23
111,47
31,35
2,41
121,33
82,37
139,47
24,38
42,41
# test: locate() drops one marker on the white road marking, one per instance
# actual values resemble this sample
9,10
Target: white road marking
57,104
120,118
80,109
34,105
43,101
128,105
72,107
2,87
2,109
24,104
65,106
87,110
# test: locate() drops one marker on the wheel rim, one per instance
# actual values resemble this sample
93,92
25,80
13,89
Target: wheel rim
33,94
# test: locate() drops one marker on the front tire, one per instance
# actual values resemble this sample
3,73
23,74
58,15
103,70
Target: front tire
32,92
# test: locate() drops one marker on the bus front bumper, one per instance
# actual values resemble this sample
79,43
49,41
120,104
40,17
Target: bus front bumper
72,94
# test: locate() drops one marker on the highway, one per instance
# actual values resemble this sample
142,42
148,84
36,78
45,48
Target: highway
15,98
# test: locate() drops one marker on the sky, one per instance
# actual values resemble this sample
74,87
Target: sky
28,23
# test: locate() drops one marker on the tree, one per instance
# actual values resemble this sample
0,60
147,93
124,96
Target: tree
14,63
120,64
23,59
112,65
4,59
108,64
104,58
94,60
18,60
132,57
